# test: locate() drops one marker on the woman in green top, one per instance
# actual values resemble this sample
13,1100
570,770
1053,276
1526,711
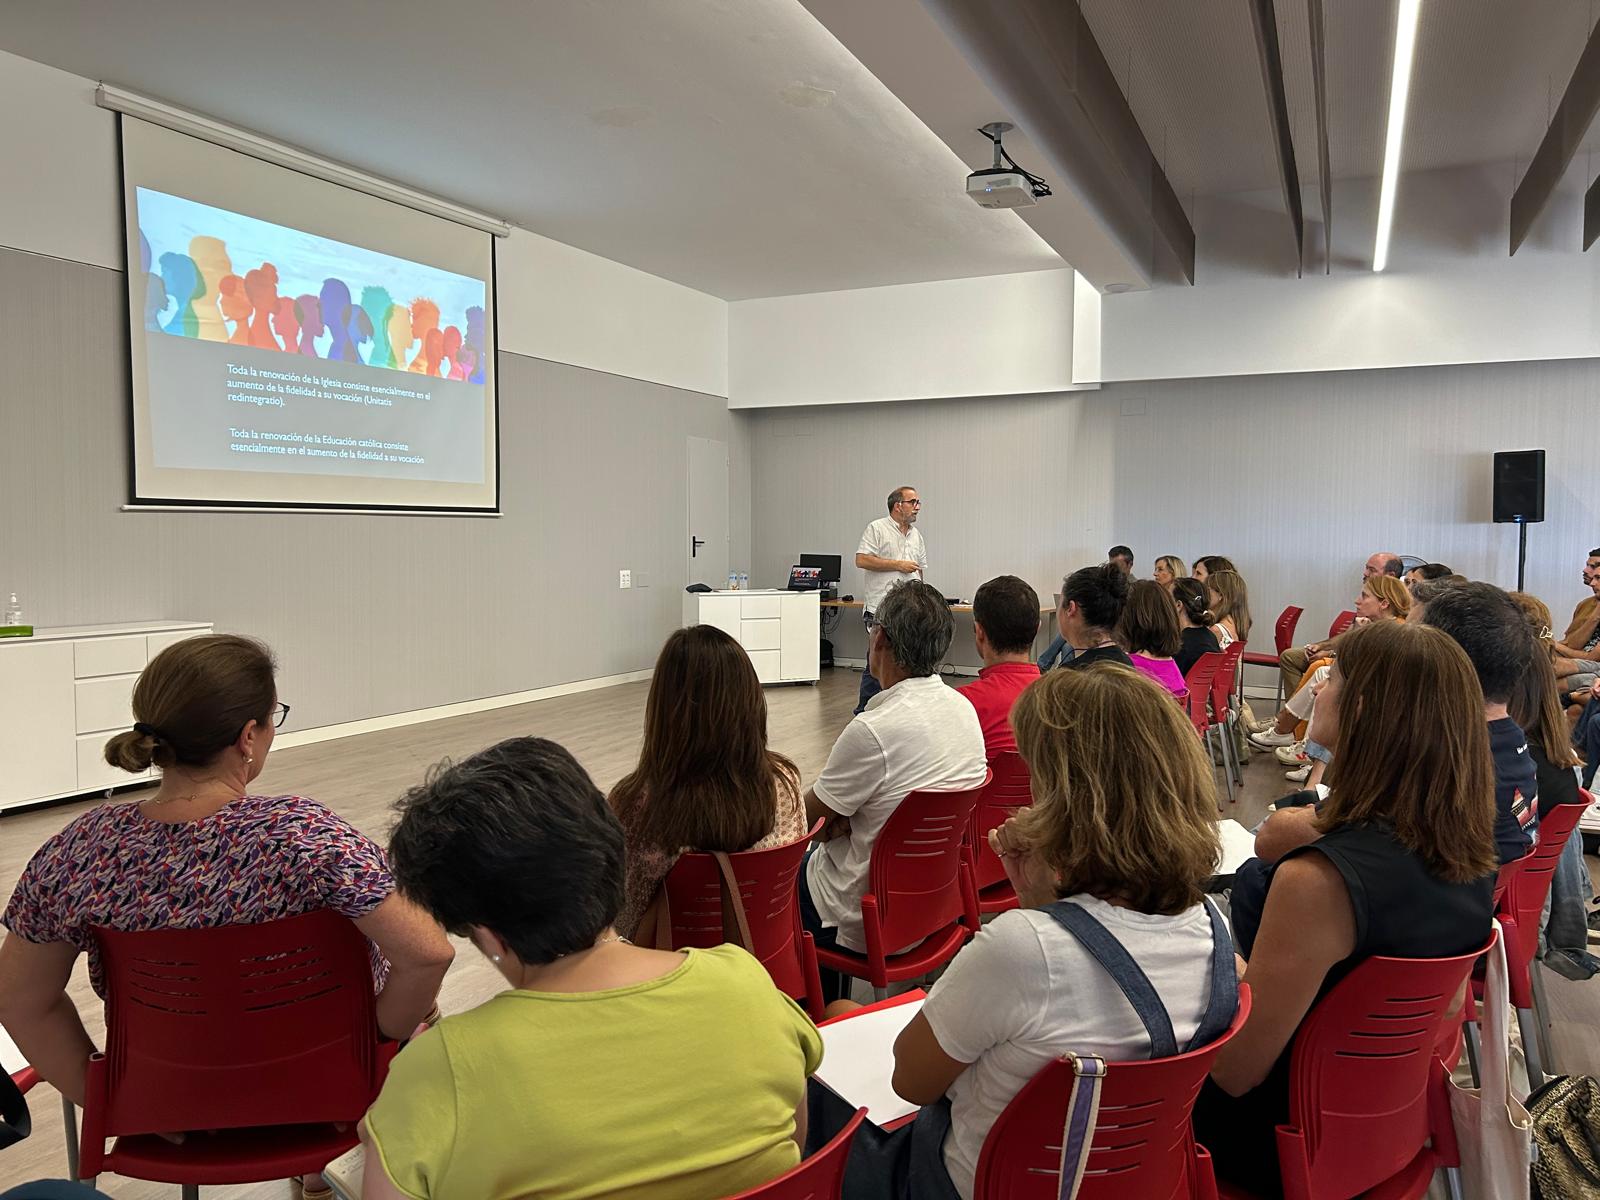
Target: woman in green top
607,1069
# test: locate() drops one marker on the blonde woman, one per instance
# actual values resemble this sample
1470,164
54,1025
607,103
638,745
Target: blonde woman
1116,847
1230,601
1169,567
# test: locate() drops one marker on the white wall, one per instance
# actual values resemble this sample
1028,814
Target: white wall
63,197
1451,294
996,335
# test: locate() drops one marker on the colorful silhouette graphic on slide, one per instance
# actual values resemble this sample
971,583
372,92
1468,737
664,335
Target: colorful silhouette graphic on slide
214,275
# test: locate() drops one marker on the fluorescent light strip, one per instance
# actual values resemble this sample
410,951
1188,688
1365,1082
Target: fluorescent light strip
1405,52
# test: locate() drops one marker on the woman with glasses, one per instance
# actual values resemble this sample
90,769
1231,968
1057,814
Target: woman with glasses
203,850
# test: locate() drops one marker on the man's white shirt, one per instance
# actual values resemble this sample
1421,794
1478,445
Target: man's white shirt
884,539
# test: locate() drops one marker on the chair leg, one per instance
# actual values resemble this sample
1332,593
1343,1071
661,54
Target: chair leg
69,1121
1469,1039
1541,1015
1530,1048
191,1191
1452,1180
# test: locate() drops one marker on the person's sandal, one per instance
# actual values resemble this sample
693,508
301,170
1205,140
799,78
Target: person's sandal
301,1192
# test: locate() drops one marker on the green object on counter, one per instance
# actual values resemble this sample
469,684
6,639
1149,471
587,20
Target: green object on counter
16,631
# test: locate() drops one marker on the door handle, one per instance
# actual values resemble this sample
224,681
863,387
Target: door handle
694,545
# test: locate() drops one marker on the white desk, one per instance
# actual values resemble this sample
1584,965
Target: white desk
779,630
63,693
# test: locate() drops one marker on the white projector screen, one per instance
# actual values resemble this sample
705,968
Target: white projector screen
294,343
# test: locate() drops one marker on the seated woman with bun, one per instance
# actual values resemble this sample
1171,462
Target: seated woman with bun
606,1069
1398,861
1195,620
204,850
1148,631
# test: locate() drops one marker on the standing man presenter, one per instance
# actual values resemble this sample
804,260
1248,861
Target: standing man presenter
891,550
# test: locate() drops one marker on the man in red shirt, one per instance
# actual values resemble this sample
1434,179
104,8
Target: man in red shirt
1005,619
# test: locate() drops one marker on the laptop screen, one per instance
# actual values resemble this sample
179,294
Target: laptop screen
805,579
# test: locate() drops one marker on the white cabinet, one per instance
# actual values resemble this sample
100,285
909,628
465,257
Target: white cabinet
63,693
778,630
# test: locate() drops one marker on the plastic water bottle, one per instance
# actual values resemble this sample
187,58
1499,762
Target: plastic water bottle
13,611
733,581
744,581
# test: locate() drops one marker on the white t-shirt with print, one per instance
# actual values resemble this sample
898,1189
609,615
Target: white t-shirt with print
884,539
1024,992
917,734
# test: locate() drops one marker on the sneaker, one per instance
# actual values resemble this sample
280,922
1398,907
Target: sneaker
1299,774
1292,756
1270,739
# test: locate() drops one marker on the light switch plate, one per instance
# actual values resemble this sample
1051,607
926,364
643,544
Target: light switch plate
624,579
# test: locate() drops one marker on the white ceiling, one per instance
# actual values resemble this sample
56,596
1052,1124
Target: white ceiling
731,145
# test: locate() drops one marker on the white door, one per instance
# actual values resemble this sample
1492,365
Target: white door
707,549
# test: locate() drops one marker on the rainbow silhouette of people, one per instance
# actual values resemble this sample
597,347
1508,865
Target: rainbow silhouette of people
450,368
424,320
235,306
211,259
155,291
336,316
286,323
359,329
308,311
397,325
376,302
475,325
182,282
261,290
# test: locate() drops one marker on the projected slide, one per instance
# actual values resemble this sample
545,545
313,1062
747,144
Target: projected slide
271,349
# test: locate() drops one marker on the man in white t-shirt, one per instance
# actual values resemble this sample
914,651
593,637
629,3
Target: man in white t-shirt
891,552
916,733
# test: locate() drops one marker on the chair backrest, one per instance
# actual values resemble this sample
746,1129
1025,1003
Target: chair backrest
766,880
1283,631
1361,1072
917,862
1224,681
1529,885
1342,622
1199,680
1007,791
1142,1143
819,1177
234,1026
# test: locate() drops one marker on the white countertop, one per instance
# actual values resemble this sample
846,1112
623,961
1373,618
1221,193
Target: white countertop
59,633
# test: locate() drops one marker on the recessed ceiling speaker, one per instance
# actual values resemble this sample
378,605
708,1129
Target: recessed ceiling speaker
1518,486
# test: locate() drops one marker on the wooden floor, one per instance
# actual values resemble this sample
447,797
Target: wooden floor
360,777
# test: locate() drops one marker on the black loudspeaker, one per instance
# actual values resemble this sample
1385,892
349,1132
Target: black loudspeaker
1518,486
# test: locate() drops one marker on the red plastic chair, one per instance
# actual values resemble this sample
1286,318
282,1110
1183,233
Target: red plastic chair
920,891
1143,1145
1521,911
1282,638
1200,681
1340,623
1224,711
266,1035
1008,790
767,888
1368,1101
819,1177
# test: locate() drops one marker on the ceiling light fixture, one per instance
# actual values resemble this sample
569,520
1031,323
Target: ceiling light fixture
1405,51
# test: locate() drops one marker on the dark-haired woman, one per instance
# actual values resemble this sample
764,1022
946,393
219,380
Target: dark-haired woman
1092,600
203,851
608,1069
1195,620
706,779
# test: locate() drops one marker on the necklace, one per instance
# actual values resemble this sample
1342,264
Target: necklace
615,937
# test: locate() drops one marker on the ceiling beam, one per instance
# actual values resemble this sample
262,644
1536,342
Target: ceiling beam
1265,20
1568,127
1319,83
1041,59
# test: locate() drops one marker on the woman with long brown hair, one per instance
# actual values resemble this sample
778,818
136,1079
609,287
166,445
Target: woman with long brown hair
1230,601
1398,861
706,779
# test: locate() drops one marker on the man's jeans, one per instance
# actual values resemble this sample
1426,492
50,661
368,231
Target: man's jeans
1057,650
870,687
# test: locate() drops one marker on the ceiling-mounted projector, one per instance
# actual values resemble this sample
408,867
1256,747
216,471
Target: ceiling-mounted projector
1004,185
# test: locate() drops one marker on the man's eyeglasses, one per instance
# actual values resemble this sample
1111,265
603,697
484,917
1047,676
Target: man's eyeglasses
279,714
910,503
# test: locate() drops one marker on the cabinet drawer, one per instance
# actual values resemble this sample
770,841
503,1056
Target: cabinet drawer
760,635
105,704
108,656
157,642
766,664
759,607
94,772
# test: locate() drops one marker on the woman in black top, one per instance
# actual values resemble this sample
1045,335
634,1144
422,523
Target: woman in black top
1398,861
1194,622
1092,600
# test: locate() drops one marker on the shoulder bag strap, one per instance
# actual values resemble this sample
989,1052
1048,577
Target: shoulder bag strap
733,904
659,912
1083,1111
15,1123
1124,972
1223,1002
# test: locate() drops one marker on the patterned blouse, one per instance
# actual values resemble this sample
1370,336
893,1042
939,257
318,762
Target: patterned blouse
256,859
646,868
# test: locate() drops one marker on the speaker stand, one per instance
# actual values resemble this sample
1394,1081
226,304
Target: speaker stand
1522,551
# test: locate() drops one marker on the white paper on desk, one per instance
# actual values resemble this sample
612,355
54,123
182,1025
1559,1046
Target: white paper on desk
1238,844
858,1060
11,1060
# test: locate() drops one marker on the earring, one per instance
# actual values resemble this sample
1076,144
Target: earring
494,958
249,759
